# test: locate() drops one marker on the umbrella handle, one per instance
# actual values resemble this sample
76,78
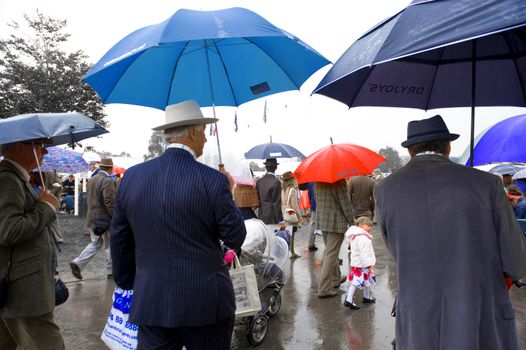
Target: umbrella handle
38,166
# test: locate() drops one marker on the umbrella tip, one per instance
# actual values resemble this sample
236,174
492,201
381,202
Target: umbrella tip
332,143
270,138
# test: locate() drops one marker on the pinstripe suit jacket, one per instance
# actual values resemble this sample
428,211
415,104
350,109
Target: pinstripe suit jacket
169,216
333,207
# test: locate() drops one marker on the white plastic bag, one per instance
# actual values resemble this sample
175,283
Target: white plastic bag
119,333
245,289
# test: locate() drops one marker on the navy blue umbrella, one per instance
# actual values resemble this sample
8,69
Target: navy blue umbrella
56,128
273,150
437,54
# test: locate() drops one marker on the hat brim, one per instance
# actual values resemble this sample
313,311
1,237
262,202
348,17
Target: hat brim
430,137
187,122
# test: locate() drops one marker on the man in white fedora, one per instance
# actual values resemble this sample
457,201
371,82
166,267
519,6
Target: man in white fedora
170,215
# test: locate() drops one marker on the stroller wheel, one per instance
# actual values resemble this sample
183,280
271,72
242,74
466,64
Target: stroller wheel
274,303
257,329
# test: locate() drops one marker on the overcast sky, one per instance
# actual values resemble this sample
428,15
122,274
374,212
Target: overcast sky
297,118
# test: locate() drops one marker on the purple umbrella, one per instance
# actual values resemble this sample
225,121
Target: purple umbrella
63,161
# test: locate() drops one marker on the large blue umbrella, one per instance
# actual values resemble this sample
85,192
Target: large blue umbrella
222,58
503,142
64,161
273,150
218,58
56,128
436,54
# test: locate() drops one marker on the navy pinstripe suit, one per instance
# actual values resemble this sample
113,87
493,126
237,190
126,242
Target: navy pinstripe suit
169,216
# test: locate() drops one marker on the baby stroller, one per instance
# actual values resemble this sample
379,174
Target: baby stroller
268,253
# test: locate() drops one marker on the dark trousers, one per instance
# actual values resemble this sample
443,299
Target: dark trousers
217,336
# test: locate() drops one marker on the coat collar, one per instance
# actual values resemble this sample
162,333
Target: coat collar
430,157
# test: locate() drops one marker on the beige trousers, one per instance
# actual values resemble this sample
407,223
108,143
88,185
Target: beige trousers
30,333
330,269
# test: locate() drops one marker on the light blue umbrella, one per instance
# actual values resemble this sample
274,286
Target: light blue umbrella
218,58
64,161
56,128
222,58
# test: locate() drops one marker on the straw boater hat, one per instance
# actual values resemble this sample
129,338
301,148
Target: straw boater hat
431,129
184,113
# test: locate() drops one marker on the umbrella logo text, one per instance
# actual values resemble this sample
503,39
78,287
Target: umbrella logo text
397,89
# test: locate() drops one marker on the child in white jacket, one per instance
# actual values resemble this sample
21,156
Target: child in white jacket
361,272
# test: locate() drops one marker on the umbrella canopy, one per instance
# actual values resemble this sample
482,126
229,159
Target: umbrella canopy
437,54
273,150
118,170
521,174
503,142
336,162
222,58
57,128
504,169
63,161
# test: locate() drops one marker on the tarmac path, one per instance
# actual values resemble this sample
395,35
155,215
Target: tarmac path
304,321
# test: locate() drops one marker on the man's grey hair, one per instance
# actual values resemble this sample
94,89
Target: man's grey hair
174,134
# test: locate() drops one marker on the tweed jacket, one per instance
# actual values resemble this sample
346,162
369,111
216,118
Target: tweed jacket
333,207
269,192
171,213
453,236
24,230
104,183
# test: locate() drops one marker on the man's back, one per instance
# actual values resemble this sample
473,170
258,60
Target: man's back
361,195
177,210
452,234
269,192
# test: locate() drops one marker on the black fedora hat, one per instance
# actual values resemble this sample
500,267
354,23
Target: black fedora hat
271,161
425,130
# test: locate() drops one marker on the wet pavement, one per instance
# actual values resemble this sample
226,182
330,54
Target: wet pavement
303,322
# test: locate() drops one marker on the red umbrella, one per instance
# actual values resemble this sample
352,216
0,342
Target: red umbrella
118,170
336,162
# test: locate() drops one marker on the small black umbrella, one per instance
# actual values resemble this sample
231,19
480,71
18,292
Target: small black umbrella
437,54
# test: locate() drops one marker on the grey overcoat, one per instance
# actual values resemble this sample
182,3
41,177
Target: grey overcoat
453,236
24,229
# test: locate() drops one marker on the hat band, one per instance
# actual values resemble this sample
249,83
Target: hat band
432,132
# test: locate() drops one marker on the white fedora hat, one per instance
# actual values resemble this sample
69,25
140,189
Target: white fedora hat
184,113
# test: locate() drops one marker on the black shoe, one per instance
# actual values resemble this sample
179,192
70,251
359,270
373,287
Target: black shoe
312,248
369,300
109,276
340,261
352,305
75,270
519,283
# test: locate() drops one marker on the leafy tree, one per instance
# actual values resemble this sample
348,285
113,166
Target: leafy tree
393,161
155,146
37,76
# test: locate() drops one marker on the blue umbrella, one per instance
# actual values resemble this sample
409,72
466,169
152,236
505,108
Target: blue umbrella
436,54
218,58
57,128
64,161
273,150
503,142
222,58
